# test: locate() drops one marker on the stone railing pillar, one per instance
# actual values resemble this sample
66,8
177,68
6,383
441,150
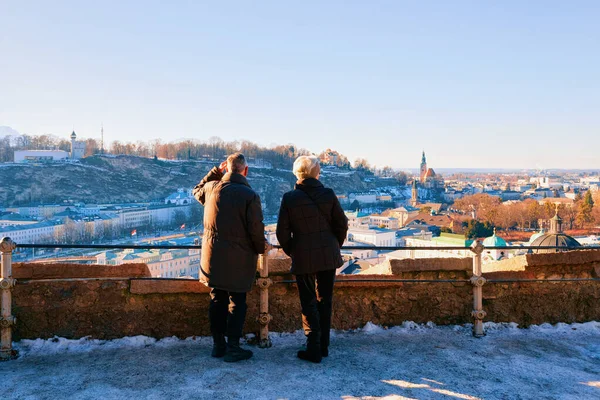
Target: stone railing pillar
264,317
477,280
7,320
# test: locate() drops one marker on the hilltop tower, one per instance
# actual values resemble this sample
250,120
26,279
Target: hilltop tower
73,141
77,148
423,167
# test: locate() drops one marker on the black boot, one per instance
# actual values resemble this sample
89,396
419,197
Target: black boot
313,349
234,352
325,343
219,346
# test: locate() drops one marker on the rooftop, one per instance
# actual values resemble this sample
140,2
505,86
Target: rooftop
406,362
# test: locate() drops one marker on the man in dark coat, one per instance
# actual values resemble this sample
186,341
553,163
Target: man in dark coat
311,229
233,238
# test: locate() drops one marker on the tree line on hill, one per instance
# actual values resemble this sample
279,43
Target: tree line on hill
279,156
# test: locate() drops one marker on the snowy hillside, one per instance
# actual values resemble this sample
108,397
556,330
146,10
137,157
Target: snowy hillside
123,179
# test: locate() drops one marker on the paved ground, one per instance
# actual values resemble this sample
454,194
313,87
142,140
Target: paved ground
410,362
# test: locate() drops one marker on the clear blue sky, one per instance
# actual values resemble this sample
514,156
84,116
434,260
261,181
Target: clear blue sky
511,84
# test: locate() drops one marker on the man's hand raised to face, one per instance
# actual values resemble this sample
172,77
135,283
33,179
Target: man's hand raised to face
223,167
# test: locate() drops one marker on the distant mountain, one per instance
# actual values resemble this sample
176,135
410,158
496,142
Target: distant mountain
8,131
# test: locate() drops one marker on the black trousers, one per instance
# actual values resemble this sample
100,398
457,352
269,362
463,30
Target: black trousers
227,313
316,295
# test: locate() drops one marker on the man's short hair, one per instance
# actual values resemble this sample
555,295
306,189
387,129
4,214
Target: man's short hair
236,163
306,167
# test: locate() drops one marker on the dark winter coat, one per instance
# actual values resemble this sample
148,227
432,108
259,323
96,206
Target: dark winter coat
234,233
311,231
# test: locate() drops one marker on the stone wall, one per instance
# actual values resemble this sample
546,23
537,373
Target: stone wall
68,270
113,306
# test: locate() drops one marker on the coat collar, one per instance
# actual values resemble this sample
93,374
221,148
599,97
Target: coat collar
308,183
235,178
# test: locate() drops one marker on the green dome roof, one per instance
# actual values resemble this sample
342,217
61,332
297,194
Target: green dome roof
494,241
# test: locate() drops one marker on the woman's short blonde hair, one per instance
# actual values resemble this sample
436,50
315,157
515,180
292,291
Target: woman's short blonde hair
306,167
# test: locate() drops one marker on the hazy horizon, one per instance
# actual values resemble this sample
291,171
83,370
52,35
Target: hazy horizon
476,85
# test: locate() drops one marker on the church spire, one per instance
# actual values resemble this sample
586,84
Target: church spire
415,194
423,168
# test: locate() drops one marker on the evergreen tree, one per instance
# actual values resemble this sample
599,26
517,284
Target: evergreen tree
476,229
588,199
586,206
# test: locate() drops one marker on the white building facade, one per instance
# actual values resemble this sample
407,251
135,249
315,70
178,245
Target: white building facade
376,237
177,263
30,234
36,156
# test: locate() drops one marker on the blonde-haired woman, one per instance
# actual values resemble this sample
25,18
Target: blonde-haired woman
311,229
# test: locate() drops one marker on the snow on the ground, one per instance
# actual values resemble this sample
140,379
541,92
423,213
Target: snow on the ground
406,362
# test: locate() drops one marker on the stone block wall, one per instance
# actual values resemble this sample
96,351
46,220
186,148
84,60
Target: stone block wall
112,306
67,270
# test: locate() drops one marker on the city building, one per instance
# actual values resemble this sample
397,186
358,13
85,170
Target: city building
357,218
374,236
39,212
162,263
384,197
29,234
14,219
548,182
180,198
88,209
438,220
494,254
37,156
384,222
150,215
363,198
413,231
444,240
403,214
427,176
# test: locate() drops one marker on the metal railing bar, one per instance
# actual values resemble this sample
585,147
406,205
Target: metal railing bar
150,278
104,246
393,280
385,248
458,280
543,280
